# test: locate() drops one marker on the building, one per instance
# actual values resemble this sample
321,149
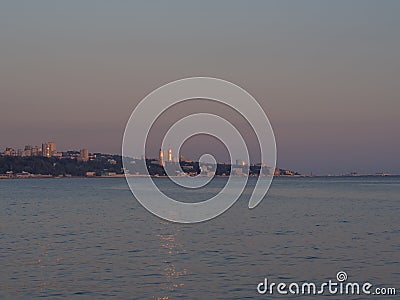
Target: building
240,162
10,152
84,155
49,149
161,158
169,155
238,172
36,151
27,150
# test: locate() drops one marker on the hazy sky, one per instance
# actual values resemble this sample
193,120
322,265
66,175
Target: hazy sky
326,72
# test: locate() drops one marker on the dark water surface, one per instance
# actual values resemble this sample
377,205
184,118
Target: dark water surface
90,239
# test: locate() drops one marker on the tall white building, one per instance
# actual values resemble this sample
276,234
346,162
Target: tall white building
169,155
49,149
161,158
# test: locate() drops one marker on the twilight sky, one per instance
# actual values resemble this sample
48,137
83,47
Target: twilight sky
327,73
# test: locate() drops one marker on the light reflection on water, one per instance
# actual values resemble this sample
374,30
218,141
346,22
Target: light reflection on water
172,271
88,239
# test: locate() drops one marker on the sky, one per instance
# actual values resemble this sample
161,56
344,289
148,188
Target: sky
326,73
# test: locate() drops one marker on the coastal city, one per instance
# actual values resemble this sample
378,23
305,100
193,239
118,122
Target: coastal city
48,149
45,161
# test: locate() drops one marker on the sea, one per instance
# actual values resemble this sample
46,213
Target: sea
89,238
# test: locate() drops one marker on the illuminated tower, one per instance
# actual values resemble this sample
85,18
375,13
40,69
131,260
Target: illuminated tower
161,159
49,149
169,155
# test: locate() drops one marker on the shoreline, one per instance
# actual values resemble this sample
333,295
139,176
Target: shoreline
142,176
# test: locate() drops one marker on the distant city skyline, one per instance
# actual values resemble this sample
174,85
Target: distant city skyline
325,72
48,149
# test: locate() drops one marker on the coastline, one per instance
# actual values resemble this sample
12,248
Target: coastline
218,176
